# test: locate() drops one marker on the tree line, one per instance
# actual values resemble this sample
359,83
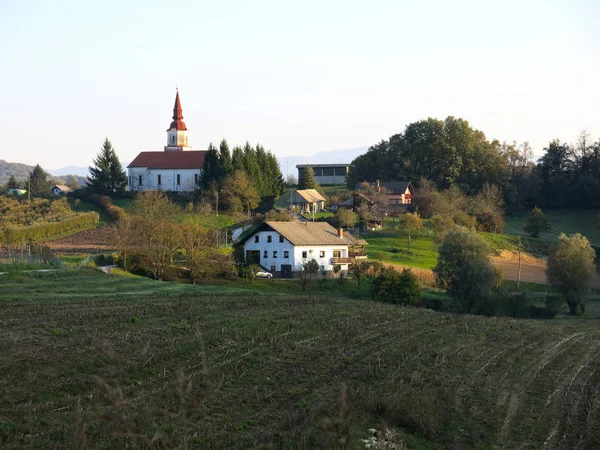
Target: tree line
246,175
452,153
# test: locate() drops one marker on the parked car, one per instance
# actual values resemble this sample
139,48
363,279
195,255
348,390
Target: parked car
263,274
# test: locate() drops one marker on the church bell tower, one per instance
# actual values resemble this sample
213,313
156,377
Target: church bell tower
177,134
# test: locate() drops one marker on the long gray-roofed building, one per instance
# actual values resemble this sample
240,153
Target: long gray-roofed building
326,173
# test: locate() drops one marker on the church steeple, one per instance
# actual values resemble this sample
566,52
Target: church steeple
177,137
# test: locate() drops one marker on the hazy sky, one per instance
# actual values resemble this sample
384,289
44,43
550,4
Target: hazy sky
299,77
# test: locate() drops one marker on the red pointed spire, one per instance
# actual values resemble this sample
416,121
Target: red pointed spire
177,123
177,112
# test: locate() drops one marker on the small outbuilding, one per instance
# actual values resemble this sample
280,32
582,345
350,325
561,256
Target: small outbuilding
59,189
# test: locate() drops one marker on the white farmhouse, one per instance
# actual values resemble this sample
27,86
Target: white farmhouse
177,168
282,247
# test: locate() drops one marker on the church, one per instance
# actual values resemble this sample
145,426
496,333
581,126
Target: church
177,168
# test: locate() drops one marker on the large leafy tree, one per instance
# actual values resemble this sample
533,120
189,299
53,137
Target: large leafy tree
571,268
444,151
107,175
39,182
464,268
239,194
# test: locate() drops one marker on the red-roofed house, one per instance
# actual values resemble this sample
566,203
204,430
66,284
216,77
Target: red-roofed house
177,168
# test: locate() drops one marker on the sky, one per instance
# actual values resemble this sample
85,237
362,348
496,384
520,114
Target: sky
298,77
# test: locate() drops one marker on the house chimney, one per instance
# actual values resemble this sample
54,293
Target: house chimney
341,233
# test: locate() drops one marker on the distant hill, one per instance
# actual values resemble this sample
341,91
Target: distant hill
70,170
19,170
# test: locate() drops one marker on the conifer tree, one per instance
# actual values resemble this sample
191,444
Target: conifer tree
307,179
237,159
225,159
107,176
38,181
12,183
211,171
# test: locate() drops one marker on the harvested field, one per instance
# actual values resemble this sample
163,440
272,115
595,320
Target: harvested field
95,240
264,371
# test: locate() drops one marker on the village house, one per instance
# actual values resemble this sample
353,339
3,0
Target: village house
177,168
58,189
306,201
398,192
326,173
282,247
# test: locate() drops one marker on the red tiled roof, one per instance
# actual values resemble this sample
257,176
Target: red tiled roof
170,160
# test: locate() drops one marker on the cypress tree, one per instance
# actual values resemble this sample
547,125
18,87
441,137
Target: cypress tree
307,179
107,176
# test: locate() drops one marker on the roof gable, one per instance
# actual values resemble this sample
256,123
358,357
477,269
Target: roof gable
306,233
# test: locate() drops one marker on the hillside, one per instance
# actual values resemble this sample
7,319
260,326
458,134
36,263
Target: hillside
21,173
248,370
19,170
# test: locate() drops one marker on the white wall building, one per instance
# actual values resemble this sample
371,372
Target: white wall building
177,168
282,247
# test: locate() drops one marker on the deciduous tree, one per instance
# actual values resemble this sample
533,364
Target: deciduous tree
410,224
464,268
571,268
306,272
537,223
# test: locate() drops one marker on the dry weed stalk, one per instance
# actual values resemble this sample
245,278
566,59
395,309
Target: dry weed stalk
337,431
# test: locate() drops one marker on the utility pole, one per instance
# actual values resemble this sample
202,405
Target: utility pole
217,210
519,269
29,189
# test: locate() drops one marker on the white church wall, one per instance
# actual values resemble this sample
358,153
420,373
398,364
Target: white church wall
168,179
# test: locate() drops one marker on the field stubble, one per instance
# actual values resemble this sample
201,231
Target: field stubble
253,370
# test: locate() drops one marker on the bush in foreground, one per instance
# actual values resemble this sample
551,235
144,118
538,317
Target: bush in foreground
392,286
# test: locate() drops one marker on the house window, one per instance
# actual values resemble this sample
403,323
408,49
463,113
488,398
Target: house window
272,269
269,238
322,268
159,180
286,254
274,254
196,178
304,254
256,238
322,254
178,179
337,253
140,180
265,254
280,238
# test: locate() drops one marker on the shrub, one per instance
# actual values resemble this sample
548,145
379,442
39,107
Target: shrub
537,223
394,287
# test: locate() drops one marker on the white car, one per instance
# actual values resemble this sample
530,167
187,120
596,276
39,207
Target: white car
263,274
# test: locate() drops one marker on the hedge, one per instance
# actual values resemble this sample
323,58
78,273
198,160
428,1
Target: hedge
38,232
